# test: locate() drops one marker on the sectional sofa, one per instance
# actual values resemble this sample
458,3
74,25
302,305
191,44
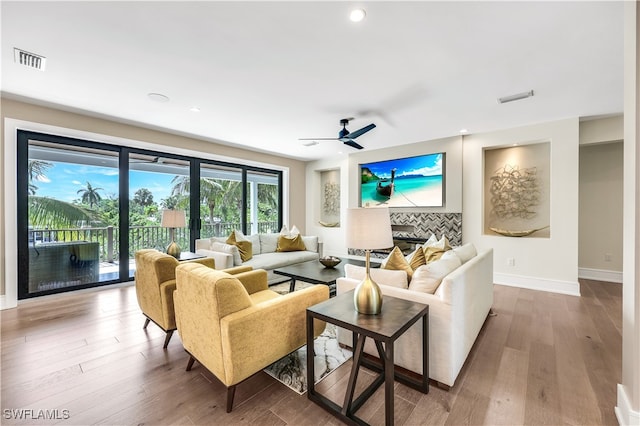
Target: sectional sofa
457,311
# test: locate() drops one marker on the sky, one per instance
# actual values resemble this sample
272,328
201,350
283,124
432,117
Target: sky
63,180
427,165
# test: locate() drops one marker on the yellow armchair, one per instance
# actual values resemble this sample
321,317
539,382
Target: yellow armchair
155,280
235,326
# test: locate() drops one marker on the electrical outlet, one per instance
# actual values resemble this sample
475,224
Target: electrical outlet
511,261
607,257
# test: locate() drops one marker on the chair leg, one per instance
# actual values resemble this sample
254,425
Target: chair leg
231,391
166,339
190,363
146,323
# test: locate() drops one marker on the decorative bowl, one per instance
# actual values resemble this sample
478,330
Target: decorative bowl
330,261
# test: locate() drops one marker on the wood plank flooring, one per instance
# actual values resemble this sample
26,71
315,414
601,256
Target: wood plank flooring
84,359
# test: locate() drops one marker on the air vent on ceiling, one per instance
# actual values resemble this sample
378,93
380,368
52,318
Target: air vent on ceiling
28,59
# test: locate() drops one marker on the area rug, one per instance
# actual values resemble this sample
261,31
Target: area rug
292,369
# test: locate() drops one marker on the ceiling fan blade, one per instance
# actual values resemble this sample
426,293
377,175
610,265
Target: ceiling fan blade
353,144
362,131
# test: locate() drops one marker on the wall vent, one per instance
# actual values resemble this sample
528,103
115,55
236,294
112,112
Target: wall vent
28,59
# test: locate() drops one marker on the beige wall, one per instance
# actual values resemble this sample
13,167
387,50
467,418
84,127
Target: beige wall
71,124
600,211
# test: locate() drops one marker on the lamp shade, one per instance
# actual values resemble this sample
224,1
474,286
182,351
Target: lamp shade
173,219
369,228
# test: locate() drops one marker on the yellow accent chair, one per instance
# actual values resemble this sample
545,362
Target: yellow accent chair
155,279
235,326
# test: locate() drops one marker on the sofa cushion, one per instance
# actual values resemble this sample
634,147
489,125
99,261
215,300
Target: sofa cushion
434,251
466,252
310,242
230,249
255,243
268,243
277,260
381,276
428,277
290,244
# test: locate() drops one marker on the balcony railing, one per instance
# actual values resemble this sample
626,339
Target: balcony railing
140,237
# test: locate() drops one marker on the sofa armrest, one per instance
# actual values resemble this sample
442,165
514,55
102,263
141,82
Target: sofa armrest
255,337
223,260
254,281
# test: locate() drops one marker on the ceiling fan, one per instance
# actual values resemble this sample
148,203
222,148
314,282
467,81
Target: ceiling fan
344,135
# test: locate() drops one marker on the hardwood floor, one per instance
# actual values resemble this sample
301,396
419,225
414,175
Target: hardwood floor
543,359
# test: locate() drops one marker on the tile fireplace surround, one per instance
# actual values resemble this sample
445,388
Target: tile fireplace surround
421,225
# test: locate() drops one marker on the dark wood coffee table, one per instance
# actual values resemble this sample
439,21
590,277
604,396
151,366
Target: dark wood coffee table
315,273
397,316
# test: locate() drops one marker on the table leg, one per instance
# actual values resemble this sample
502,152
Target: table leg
310,356
353,377
292,285
388,384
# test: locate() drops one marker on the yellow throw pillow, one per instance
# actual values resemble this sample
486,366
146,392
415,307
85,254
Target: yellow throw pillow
417,259
290,244
246,250
435,251
244,246
397,262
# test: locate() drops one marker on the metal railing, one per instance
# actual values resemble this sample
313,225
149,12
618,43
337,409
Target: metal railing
140,237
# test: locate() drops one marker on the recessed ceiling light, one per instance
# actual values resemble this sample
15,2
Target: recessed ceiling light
194,109
464,131
158,97
357,15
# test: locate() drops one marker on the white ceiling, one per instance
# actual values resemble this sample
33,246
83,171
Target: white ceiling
267,73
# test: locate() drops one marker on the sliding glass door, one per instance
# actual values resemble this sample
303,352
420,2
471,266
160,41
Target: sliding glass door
157,183
85,208
72,216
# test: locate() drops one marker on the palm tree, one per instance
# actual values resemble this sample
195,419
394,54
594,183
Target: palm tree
90,195
36,170
210,191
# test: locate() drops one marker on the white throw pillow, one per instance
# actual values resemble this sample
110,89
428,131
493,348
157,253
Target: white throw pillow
381,276
431,242
466,252
230,249
268,243
428,277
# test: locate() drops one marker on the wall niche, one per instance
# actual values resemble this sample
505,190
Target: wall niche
516,191
330,198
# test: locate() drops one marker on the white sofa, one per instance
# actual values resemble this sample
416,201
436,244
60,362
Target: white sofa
264,247
457,311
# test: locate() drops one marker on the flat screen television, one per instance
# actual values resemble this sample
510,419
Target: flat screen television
404,182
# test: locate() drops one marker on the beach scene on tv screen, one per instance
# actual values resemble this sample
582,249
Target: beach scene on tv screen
403,182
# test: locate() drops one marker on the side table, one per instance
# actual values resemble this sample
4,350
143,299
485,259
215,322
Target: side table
397,316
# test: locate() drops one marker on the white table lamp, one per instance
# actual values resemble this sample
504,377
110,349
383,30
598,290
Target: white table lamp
173,219
368,229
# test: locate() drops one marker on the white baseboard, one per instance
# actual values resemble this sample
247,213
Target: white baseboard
625,415
571,288
7,303
600,275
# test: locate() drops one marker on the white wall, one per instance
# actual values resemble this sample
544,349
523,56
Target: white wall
628,403
549,264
